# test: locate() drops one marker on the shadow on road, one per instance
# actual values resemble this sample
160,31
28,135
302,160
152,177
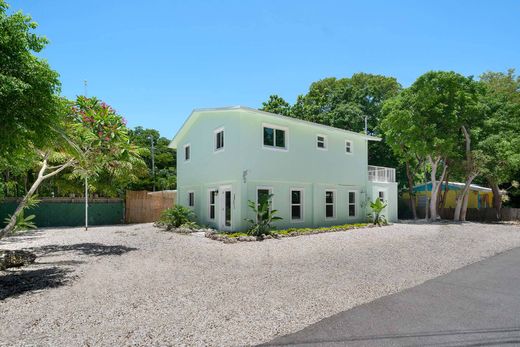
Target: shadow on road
14,283
52,274
91,249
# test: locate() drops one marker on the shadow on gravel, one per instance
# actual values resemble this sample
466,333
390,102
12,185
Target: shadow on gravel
91,249
14,283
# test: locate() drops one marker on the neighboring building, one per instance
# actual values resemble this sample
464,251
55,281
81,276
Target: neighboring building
479,197
319,175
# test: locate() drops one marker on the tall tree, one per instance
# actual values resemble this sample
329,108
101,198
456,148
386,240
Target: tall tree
94,141
29,106
500,139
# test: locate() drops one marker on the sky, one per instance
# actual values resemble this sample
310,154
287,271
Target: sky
154,61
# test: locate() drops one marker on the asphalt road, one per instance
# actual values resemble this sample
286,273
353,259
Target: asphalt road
478,305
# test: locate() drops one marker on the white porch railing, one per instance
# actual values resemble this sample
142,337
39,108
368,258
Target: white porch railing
381,174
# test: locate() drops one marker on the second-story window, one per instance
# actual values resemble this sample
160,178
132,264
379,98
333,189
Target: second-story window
187,152
321,142
274,137
348,146
219,139
191,199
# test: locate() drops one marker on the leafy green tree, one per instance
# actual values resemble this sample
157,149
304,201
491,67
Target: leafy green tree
94,140
500,139
164,160
427,120
276,104
29,105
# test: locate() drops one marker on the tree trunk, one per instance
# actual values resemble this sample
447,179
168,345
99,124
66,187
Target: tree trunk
464,207
41,177
497,198
411,192
435,186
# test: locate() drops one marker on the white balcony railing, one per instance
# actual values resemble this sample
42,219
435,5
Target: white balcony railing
381,174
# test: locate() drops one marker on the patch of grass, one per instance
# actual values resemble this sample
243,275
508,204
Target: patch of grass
231,235
332,228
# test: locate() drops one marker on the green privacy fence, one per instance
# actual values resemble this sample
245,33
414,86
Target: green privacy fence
55,212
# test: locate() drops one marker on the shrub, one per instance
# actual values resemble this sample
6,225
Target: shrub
265,216
377,207
176,216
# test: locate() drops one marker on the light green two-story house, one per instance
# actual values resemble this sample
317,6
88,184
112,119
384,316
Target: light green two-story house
318,175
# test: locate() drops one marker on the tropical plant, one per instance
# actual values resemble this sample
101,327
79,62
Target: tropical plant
176,216
22,222
265,216
377,206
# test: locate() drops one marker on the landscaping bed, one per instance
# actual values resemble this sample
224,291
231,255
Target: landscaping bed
278,234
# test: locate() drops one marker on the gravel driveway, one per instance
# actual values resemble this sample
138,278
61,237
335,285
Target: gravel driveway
136,285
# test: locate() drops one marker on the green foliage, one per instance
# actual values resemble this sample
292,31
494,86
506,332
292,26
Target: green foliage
265,217
343,227
22,222
28,89
276,104
176,216
377,207
189,225
164,159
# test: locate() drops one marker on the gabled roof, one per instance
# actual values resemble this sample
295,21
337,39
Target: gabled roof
454,186
196,113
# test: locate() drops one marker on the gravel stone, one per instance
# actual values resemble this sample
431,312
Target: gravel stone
135,285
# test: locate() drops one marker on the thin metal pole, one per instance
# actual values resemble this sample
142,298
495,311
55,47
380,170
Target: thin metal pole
85,83
86,203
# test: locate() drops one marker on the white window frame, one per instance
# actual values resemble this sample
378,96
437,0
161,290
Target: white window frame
270,189
215,133
274,127
334,198
210,190
189,202
184,152
355,204
301,204
350,146
325,142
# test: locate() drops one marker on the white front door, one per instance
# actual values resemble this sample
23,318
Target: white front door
225,205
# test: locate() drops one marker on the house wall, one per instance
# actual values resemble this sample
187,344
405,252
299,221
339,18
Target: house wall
451,198
245,164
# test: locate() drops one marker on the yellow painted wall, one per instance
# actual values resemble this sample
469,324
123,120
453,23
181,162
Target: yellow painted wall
452,194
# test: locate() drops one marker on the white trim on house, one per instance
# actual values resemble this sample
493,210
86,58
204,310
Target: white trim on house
215,133
184,153
210,190
334,203
325,142
301,204
274,147
196,112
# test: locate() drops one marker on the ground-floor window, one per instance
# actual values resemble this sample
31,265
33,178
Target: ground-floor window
296,204
351,204
212,200
381,196
191,199
330,199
